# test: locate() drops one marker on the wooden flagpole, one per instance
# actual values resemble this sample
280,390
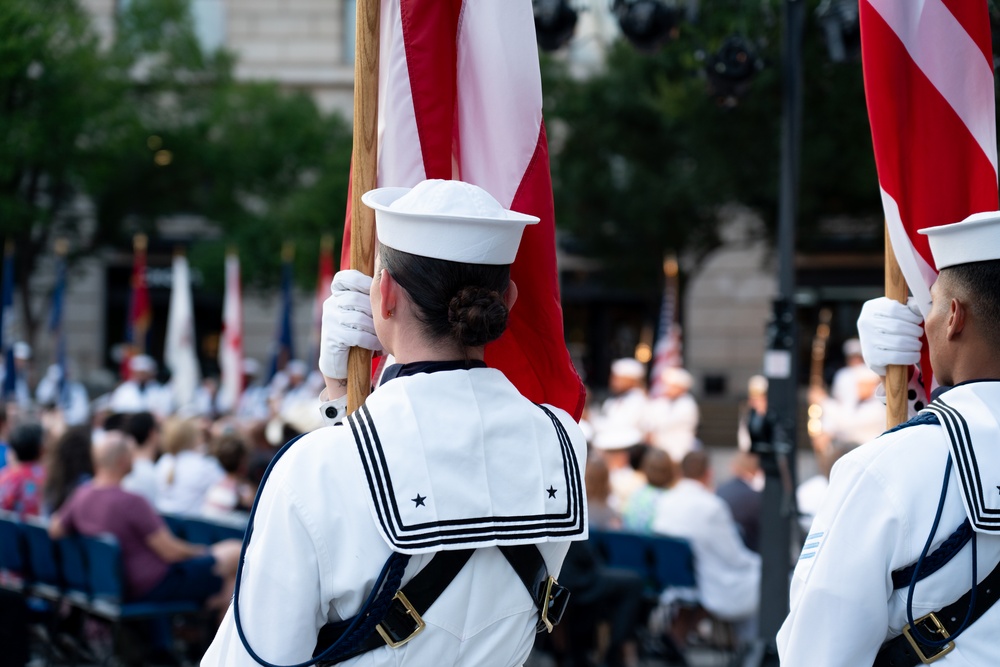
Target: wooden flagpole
363,177
896,377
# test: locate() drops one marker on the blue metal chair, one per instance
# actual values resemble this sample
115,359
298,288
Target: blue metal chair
13,553
674,562
46,578
107,585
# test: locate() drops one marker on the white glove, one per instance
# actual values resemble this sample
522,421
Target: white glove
347,322
889,333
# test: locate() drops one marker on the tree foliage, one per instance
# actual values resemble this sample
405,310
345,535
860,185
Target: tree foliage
152,128
645,152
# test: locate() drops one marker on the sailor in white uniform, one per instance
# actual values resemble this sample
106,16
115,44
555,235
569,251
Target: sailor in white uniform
901,564
445,461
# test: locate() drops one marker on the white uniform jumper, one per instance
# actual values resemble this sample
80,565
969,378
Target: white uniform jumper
448,460
876,519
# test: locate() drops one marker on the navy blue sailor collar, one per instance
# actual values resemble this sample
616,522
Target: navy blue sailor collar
413,368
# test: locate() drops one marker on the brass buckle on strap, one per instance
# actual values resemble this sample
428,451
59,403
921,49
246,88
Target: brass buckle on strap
933,626
549,625
412,613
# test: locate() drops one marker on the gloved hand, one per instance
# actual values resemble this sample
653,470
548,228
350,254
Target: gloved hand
889,333
347,322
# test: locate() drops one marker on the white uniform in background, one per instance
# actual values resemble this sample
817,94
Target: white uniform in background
450,452
672,424
183,479
727,573
627,409
151,396
877,516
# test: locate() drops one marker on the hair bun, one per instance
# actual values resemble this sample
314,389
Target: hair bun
477,316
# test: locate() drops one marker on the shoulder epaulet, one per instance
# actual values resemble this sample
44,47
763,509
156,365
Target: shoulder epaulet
919,420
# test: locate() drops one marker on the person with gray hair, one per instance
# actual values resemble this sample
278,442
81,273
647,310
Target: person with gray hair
158,566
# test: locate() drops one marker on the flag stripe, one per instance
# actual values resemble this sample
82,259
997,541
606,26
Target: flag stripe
950,59
460,97
929,86
970,15
429,28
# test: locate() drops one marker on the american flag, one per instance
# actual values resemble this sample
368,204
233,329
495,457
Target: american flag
667,350
928,69
231,347
140,311
460,97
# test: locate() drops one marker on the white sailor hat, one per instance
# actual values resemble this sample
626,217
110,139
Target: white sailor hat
617,436
22,350
448,220
677,377
628,368
975,239
142,363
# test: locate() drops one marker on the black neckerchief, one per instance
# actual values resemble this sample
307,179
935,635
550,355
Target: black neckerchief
402,370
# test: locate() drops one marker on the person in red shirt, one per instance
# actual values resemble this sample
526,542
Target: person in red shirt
21,481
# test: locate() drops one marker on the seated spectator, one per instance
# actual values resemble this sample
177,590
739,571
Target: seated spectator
743,495
69,466
232,493
598,482
661,473
157,565
184,474
599,593
726,572
614,445
22,480
145,434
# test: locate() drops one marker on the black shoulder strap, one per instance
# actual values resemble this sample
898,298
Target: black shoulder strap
906,650
403,619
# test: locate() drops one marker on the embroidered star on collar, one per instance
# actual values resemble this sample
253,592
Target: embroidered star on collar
419,500
552,491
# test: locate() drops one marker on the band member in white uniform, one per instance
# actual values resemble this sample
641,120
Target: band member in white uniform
444,457
911,522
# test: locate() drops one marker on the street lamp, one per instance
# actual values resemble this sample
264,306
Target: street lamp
732,68
647,23
555,21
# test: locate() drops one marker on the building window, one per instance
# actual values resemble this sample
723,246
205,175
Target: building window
350,21
209,18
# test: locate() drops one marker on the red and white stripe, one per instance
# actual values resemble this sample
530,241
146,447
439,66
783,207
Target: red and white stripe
460,97
928,67
231,349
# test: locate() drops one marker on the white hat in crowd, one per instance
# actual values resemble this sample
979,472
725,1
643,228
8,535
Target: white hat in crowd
448,220
251,367
142,363
975,239
677,377
22,350
757,385
628,368
617,436
852,347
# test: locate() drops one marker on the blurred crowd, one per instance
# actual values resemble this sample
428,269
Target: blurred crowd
646,473
202,458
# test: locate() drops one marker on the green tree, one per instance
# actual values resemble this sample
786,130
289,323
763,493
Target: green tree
647,151
57,97
153,127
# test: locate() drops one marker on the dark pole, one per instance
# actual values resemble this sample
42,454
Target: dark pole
777,449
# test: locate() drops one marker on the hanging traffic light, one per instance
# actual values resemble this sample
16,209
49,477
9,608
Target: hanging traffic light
732,68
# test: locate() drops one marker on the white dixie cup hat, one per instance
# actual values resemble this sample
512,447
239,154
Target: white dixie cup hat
449,220
975,239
